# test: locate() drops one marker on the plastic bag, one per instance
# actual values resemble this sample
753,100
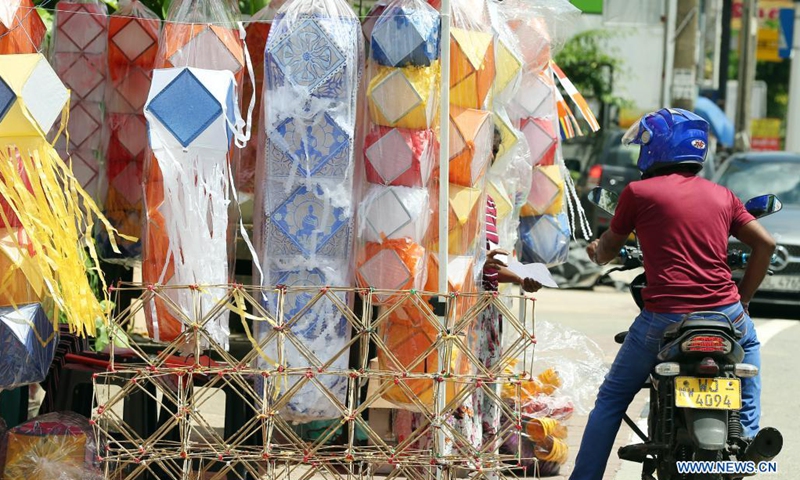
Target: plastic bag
200,34
304,211
57,446
28,344
79,57
132,46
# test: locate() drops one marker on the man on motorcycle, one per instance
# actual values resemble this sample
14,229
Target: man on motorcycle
683,223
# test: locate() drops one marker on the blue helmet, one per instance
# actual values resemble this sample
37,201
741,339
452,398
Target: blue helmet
668,137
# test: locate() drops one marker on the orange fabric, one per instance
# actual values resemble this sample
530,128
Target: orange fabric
469,124
412,256
408,336
27,32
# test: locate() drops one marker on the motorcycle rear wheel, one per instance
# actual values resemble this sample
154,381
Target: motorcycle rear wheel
707,456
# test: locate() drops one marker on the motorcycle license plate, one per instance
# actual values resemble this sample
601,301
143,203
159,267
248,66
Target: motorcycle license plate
708,393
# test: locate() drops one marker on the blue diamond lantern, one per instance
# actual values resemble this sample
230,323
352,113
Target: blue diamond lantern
307,220
7,98
185,107
406,36
28,343
307,56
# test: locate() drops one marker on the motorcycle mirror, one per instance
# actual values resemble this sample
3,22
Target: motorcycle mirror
603,199
763,205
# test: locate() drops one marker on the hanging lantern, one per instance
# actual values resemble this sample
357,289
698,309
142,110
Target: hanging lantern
203,46
471,133
545,239
508,66
21,28
502,199
79,58
472,67
406,36
542,139
398,156
192,116
394,264
404,97
132,47
394,212
547,192
27,337
535,97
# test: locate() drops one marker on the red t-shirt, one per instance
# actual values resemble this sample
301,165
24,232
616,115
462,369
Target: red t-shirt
683,223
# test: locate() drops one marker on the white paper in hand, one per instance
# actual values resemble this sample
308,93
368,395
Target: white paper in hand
536,271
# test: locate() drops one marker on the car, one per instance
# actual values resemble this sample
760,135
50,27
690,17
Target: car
756,173
603,161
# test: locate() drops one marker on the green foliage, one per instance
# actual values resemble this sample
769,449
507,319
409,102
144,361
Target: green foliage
592,63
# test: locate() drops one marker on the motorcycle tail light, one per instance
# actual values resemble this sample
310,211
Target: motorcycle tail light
708,367
706,344
668,369
745,370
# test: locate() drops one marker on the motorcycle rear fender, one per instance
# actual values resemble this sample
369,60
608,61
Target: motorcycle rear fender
708,429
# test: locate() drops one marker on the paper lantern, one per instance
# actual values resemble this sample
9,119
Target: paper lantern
542,139
460,273
204,46
393,213
318,147
509,136
545,239
55,445
398,156
406,35
534,41
132,47
472,67
404,97
547,192
502,200
28,342
535,97
21,29
31,97
410,337
471,133
466,214
372,18
394,264
79,58
319,327
192,114
508,66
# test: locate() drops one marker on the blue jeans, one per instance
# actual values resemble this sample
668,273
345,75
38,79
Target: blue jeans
632,367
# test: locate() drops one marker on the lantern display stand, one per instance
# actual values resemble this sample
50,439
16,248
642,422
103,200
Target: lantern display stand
257,442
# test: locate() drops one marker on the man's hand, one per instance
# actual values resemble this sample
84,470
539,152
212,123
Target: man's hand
492,262
591,250
530,285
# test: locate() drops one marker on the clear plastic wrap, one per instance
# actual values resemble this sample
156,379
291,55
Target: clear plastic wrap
79,58
132,46
22,29
54,446
201,34
28,343
304,211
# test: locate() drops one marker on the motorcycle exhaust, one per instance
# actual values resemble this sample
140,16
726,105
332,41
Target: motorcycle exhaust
766,445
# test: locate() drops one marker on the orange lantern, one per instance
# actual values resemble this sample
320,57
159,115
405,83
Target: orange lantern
472,67
23,31
471,133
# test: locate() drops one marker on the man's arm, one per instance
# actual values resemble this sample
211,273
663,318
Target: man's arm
606,248
762,244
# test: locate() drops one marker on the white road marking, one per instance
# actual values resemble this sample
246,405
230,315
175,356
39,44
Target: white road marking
768,329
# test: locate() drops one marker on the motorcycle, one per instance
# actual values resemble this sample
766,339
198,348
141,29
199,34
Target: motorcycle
695,390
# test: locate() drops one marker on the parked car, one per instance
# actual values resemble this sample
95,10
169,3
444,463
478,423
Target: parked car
755,173
604,162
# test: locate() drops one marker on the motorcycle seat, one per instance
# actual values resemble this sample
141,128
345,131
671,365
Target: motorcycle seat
701,321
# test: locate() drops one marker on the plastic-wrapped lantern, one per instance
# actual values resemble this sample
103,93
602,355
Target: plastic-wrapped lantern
508,138
398,156
22,30
404,97
534,41
502,200
394,264
192,116
409,335
546,196
535,97
405,35
204,46
472,67
29,344
508,66
464,211
545,239
471,133
394,212
541,136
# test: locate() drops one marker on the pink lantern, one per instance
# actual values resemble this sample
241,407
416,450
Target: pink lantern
398,156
